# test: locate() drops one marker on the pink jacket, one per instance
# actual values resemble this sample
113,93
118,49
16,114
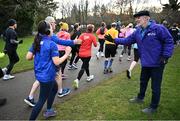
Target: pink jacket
65,36
101,36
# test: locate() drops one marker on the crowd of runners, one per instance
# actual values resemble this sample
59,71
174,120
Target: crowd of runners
152,43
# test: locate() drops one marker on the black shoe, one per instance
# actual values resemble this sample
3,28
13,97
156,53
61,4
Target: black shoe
110,70
136,100
105,71
128,74
30,102
3,101
149,110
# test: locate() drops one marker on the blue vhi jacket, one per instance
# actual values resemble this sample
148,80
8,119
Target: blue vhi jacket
154,44
44,67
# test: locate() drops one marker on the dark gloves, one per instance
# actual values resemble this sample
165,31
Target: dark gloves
163,60
109,38
20,41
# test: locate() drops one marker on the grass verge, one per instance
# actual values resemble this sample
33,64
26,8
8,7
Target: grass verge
109,100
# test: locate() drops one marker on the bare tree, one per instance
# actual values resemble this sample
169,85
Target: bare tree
171,11
103,12
86,11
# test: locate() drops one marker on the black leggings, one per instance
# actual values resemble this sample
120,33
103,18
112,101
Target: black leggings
101,47
136,55
84,67
74,51
48,92
63,64
125,48
13,59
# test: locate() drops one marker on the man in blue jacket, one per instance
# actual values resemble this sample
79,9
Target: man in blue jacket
155,45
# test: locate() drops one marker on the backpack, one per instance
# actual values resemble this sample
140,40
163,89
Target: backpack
102,30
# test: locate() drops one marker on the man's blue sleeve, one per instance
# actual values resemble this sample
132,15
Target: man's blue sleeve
126,41
55,39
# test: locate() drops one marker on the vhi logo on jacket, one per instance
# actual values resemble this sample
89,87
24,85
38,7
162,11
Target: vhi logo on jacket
86,37
151,34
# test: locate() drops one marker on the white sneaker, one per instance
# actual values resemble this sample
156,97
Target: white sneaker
74,65
120,57
76,84
89,78
102,54
8,76
97,55
129,58
4,70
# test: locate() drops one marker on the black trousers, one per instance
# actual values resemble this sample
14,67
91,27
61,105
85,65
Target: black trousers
155,73
13,59
125,49
136,55
101,47
62,66
84,67
48,92
74,51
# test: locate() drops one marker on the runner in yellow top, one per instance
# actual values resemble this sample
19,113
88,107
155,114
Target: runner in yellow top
110,49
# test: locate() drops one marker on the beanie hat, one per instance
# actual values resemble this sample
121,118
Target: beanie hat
63,26
11,22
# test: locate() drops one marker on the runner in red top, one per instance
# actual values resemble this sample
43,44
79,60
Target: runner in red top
85,53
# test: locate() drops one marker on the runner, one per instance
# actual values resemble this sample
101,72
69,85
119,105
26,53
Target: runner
64,35
85,54
62,92
46,58
100,33
75,49
128,31
11,47
110,49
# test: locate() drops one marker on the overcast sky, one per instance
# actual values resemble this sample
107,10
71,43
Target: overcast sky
92,2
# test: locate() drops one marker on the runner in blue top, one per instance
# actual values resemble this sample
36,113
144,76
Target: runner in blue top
46,58
155,46
63,91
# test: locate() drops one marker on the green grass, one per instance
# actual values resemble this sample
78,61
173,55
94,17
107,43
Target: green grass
109,100
22,50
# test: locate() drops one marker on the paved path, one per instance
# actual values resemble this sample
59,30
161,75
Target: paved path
17,89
